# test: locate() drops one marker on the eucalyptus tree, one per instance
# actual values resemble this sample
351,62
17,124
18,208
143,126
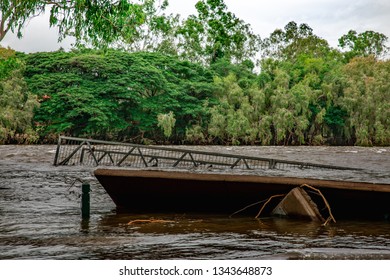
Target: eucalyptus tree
156,34
14,14
97,22
364,44
292,41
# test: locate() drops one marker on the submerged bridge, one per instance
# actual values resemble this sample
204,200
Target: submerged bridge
81,151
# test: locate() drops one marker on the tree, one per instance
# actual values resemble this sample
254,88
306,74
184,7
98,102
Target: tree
98,22
17,104
293,41
76,93
240,115
166,122
364,44
14,13
115,94
304,106
156,33
8,62
216,33
288,105
366,99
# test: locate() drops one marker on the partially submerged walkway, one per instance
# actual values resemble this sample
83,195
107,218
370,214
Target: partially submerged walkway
80,151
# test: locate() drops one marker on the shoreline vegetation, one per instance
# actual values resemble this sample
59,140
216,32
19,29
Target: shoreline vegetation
203,80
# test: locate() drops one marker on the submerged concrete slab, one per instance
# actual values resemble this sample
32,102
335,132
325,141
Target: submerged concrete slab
297,203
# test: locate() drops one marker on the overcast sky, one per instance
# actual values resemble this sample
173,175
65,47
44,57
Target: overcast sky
330,19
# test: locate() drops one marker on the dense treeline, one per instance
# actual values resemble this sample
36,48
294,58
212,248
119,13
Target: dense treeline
198,83
150,97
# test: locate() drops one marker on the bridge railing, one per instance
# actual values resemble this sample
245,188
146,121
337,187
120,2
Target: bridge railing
81,151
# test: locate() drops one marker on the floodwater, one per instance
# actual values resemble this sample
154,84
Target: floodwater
40,216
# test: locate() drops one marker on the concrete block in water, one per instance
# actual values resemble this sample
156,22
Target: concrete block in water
297,203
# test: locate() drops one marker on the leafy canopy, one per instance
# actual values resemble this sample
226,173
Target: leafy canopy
17,104
115,94
98,22
364,44
216,33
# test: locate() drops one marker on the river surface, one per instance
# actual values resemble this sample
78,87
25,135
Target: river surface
40,216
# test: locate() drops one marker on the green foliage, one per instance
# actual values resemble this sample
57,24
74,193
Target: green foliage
294,41
306,92
366,100
216,33
166,122
195,134
75,97
156,33
98,22
364,44
116,95
298,97
243,71
239,116
16,103
14,14
8,62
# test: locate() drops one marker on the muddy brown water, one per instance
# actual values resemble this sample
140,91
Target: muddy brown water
40,215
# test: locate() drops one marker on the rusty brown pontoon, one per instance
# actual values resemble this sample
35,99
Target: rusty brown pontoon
182,192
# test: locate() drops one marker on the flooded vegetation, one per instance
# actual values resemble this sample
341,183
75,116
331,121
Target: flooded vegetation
40,216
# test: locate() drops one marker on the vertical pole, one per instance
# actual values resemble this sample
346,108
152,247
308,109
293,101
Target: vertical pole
82,156
57,151
271,164
85,201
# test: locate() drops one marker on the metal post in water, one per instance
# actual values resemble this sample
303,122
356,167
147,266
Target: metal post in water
57,151
85,200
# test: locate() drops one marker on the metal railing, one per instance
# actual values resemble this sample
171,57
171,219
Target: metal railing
81,151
